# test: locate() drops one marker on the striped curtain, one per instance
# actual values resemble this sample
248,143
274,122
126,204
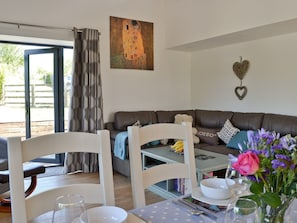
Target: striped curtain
85,111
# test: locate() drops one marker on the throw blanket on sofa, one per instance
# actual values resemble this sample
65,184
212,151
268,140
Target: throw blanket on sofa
120,145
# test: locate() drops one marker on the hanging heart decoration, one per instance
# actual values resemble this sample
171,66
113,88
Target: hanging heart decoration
241,92
241,68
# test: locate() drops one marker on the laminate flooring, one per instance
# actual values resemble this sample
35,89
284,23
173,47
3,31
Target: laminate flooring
122,184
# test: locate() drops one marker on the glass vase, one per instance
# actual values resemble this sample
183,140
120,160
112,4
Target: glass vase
275,215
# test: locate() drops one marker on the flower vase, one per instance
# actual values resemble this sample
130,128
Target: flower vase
275,215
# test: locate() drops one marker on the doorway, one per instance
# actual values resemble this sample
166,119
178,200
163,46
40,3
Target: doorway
36,94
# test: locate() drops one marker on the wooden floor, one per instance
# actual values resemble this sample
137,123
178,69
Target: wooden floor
123,193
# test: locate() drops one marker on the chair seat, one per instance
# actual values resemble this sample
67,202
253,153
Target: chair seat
30,169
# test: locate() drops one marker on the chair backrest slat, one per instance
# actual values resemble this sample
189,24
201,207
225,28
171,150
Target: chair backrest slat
19,152
141,179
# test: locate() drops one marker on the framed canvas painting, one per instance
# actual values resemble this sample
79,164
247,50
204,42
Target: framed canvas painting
131,44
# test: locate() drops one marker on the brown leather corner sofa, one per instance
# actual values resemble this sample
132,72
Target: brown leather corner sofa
207,122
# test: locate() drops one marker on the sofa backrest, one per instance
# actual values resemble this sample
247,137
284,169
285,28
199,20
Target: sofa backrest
123,119
212,118
215,119
282,124
169,116
247,121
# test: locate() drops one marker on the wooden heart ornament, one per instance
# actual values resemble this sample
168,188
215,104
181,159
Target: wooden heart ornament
241,92
241,68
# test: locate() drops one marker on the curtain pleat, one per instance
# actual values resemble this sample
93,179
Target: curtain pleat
85,112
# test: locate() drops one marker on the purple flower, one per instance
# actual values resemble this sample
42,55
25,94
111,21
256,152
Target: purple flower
278,164
281,161
282,156
264,152
288,142
253,178
284,142
268,137
277,146
253,140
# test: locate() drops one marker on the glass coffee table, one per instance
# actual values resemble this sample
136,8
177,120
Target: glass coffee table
206,162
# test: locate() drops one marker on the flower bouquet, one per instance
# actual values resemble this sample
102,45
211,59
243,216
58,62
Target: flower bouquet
270,165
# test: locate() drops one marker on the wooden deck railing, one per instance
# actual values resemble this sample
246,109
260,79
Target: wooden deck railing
40,95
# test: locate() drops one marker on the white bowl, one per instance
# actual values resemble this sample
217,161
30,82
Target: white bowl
216,188
107,214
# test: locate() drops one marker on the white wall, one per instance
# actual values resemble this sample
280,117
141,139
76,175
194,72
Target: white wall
180,80
271,79
167,87
195,20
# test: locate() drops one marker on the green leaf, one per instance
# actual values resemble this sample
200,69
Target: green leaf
256,188
271,199
255,198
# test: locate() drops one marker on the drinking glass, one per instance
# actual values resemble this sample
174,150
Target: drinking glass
291,213
70,208
243,211
237,186
240,184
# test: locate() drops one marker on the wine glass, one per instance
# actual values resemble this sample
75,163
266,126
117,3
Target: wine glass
244,211
70,208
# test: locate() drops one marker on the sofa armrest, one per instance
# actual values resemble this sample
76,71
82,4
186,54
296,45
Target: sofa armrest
109,126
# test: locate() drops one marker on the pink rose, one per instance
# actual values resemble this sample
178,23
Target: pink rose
247,163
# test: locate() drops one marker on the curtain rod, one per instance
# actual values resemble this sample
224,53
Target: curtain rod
39,26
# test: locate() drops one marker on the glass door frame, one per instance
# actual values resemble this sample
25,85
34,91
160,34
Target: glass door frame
58,84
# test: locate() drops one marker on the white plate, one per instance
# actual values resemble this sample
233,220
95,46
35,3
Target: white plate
197,194
132,218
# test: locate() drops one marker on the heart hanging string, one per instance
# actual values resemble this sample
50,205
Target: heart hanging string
240,69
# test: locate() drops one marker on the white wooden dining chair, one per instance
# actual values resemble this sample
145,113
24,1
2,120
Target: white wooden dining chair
26,209
142,179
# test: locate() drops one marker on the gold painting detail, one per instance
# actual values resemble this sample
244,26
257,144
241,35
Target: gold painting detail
131,44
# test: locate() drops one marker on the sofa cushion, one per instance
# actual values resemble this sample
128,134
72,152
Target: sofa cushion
240,138
247,121
282,124
123,119
212,119
168,116
208,135
227,132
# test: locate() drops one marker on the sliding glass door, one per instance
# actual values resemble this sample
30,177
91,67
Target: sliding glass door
34,90
44,94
